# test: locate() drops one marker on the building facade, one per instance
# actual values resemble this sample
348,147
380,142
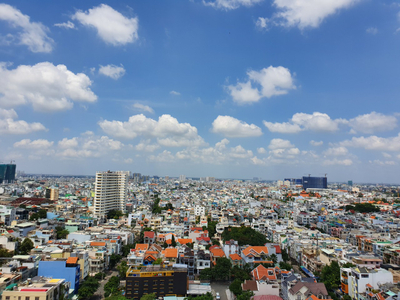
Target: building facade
315,182
163,281
7,173
111,191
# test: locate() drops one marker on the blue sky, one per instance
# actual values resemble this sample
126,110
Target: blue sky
224,88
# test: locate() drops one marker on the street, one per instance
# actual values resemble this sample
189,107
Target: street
221,288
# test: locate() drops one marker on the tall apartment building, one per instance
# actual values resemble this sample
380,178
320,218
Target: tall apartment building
7,173
111,191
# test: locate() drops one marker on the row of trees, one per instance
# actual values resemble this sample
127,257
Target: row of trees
363,208
89,286
245,236
41,214
157,209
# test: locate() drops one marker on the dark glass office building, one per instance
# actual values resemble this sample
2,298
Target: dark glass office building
315,183
7,173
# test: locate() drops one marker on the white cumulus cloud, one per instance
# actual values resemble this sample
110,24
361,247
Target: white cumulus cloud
112,27
45,86
230,4
307,13
317,121
340,162
8,124
282,127
280,144
271,81
372,30
32,34
112,71
142,107
373,122
232,127
66,25
336,151
36,144
374,143
175,93
68,143
168,131
316,143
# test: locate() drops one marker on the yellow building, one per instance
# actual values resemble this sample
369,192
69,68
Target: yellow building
38,288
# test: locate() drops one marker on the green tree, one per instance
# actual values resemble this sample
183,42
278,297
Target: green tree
42,214
244,236
245,295
173,242
114,214
285,266
112,286
206,274
61,232
116,297
26,246
126,249
5,253
330,276
114,259
158,261
122,269
222,268
88,287
348,265
151,296
273,258
285,255
240,273
207,296
236,287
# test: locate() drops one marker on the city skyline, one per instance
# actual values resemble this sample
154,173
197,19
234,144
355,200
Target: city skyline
224,88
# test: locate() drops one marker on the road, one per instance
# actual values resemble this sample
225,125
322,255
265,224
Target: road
221,288
100,291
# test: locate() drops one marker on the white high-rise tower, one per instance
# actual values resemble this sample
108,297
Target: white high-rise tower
111,191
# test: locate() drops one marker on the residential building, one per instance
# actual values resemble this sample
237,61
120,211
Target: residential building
110,192
162,281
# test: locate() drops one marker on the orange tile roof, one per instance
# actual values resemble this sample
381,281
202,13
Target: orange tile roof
255,250
184,241
217,252
72,260
142,247
235,256
261,272
98,244
171,253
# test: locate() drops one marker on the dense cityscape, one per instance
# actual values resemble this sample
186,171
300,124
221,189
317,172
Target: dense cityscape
122,235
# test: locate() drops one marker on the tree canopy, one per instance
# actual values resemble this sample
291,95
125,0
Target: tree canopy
221,271
244,236
26,246
363,208
114,214
61,232
151,296
88,287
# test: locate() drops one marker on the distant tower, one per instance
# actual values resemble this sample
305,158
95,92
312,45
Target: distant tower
111,191
7,173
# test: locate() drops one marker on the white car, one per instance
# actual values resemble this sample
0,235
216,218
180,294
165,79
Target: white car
217,296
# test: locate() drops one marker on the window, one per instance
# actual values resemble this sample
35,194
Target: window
7,297
36,298
26,298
